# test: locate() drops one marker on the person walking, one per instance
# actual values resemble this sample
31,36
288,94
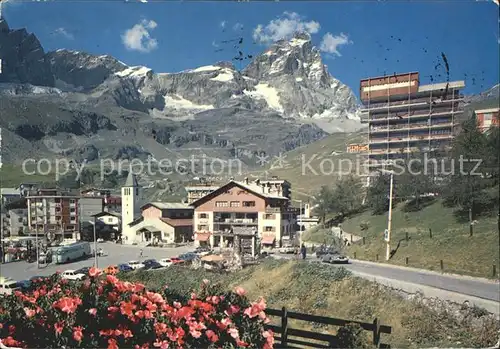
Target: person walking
140,253
303,251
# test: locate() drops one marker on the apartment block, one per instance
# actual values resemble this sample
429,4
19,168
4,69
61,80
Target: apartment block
196,191
259,208
487,118
15,222
54,214
404,116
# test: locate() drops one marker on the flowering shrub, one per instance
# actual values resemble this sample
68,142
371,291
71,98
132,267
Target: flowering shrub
105,312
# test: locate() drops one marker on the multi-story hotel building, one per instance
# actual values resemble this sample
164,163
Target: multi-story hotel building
54,214
404,116
260,208
487,118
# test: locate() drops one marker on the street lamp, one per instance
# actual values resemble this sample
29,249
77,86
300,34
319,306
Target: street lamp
300,217
387,235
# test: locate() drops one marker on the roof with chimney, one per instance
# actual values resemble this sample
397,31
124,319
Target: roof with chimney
254,187
131,180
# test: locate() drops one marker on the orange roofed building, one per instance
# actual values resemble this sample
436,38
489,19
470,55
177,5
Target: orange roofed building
260,208
163,222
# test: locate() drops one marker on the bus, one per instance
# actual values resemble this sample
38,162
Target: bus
72,252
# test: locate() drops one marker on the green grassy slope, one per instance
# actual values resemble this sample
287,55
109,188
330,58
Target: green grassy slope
332,291
327,151
450,242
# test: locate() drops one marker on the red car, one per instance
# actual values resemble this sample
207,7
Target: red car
176,260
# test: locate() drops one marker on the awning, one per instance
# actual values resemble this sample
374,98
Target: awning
202,236
268,240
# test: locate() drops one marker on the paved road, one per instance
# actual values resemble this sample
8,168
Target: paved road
467,286
116,254
463,285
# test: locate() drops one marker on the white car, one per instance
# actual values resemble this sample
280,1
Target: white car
72,275
288,250
165,262
135,265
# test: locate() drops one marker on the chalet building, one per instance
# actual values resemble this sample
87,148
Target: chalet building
161,222
259,208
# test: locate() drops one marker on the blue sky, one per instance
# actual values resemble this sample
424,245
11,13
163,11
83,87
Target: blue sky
358,39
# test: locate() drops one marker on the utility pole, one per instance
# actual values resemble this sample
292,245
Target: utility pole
95,244
389,221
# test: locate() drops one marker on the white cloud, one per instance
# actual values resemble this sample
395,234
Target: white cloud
284,27
63,32
223,24
138,38
330,43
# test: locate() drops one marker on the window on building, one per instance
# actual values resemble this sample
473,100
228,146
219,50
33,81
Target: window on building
20,219
269,229
72,219
72,201
110,219
202,227
269,216
235,204
71,210
248,203
203,215
221,204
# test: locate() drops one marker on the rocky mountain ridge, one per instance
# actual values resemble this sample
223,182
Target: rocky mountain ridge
89,107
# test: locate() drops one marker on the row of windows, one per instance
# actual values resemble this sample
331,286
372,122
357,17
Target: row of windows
234,203
266,216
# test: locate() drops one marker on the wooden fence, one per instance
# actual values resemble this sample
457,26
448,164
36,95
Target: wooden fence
283,332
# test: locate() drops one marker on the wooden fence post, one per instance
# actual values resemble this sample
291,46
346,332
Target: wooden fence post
284,328
406,261
441,264
363,240
351,238
406,236
494,270
354,255
376,332
430,233
377,257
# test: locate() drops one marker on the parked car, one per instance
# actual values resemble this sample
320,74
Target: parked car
152,264
72,275
288,250
8,285
24,284
112,270
322,250
84,270
188,257
336,258
165,262
38,278
136,265
100,240
202,251
177,260
124,268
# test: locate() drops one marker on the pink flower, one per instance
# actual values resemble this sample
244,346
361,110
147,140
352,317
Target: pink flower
195,333
77,333
234,333
177,305
240,291
58,327
212,337
29,312
93,311
93,272
206,281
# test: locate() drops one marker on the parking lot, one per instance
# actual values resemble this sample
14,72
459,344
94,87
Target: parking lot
115,254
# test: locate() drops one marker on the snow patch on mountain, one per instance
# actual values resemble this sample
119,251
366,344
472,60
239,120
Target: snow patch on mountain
267,93
178,102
